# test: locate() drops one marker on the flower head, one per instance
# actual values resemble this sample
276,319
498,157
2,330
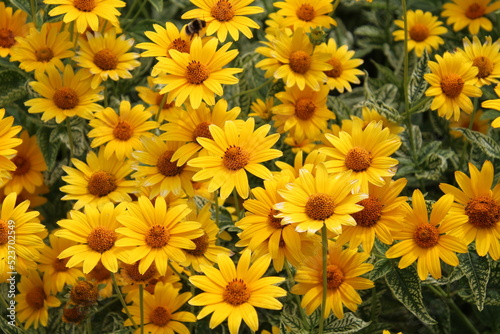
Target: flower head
469,13
486,57
306,14
11,26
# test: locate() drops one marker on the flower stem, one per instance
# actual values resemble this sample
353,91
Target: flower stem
124,304
181,275
216,203
70,139
160,108
236,203
141,306
89,325
324,245
253,89
463,159
33,12
291,283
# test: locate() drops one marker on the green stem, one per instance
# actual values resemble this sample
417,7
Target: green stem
463,160
324,245
160,108
70,139
105,306
181,275
136,14
216,203
106,94
291,283
141,306
122,300
419,104
252,90
33,12
236,203
89,325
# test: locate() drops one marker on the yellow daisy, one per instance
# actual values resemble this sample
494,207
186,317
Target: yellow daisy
86,13
233,152
306,145
197,75
7,144
122,132
314,201
480,205
486,57
42,50
451,83
151,95
369,115
469,13
343,270
276,24
64,95
33,301
233,293
423,31
105,56
225,16
270,64
427,240
311,161
186,126
262,109
98,181
11,26
165,39
364,154
36,198
306,14
494,104
478,124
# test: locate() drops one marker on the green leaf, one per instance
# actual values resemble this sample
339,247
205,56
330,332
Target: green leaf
385,110
8,327
417,84
387,74
405,286
380,269
428,149
23,5
349,324
11,87
477,270
339,108
290,322
157,4
484,142
49,148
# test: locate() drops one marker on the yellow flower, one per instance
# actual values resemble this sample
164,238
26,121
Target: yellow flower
270,64
494,104
11,26
451,83
306,14
64,95
480,205
233,293
423,31
478,124
151,95
369,115
469,13
122,132
343,270
225,16
262,109
165,39
7,144
486,57
234,151
197,75
312,160
101,275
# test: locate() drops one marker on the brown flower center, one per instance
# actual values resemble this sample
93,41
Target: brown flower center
99,273
484,65
84,293
101,184
180,45
201,246
202,131
370,215
452,85
426,235
167,167
59,265
84,5
73,314
36,298
306,12
160,316
65,98
123,131
474,11
44,54
7,38
4,235
222,11
235,158
150,285
106,60
23,165
419,32
300,62
320,206
273,221
196,72
358,159
236,292
483,212
304,108
132,271
157,236
337,69
101,239
334,276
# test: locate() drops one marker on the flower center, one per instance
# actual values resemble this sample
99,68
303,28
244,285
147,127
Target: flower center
202,131
73,314
100,273
483,212
65,98
101,184
426,235
334,276
150,285
84,5
484,65
180,45
236,292
132,271
106,60
36,298
358,159
419,32
22,165
59,265
304,108
474,11
336,71
452,85
369,216
83,293
3,232
201,246
167,167
101,239
320,206
44,54
157,236
306,12
273,221
235,158
160,316
196,72
123,131
6,38
223,11
300,62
